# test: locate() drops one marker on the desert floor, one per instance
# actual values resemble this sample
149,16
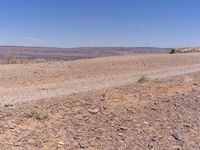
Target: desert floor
99,104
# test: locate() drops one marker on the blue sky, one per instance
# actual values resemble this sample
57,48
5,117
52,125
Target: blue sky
79,23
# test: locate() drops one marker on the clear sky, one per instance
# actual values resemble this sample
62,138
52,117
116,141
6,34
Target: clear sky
79,23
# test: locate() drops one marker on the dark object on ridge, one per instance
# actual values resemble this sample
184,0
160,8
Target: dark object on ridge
185,50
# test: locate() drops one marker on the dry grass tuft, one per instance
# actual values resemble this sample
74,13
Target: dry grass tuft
10,59
39,60
143,79
36,115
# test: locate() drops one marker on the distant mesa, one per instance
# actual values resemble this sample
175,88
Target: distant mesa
185,50
69,54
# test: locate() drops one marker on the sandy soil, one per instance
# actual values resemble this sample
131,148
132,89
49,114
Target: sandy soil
98,104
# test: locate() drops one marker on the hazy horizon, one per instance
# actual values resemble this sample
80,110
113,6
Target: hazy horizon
86,46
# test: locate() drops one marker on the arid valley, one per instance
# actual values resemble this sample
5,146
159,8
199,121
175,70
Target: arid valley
99,75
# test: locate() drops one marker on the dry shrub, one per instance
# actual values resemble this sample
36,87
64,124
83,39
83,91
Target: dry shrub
37,115
143,79
23,60
11,59
39,60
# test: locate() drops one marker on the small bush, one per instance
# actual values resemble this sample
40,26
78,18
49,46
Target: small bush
36,115
143,79
10,59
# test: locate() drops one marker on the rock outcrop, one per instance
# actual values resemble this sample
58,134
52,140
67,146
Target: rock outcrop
185,50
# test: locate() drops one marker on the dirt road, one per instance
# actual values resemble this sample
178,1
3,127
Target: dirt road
39,81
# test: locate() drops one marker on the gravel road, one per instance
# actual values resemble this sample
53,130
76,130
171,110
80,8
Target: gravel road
40,81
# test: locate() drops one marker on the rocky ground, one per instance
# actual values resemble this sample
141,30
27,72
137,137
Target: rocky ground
154,114
160,114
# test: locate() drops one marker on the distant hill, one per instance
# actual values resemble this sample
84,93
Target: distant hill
76,53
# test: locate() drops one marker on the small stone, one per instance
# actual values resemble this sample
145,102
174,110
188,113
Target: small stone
61,143
122,129
94,111
76,137
153,108
186,126
98,137
153,139
8,105
9,127
176,148
177,105
177,136
14,130
103,99
82,145
150,146
120,134
104,107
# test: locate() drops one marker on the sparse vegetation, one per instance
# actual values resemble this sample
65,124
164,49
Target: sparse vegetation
79,104
11,59
143,79
37,115
39,60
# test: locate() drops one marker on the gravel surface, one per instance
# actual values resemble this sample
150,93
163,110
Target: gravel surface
46,80
114,112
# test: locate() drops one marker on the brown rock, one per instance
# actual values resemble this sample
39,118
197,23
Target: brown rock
94,111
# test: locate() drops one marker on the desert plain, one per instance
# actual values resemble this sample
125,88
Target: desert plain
136,102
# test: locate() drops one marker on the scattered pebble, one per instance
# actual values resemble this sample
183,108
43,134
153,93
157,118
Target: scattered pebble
94,111
8,105
82,145
177,136
122,129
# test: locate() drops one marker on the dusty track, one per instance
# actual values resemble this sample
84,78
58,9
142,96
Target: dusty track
40,81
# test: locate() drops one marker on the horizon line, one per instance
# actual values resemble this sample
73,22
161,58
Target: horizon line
86,46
